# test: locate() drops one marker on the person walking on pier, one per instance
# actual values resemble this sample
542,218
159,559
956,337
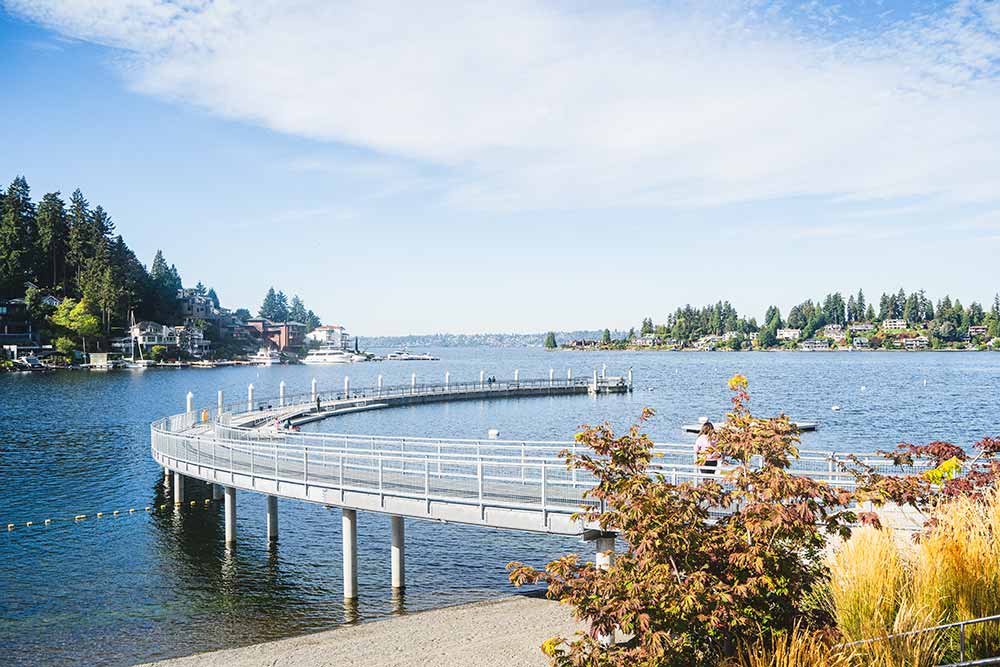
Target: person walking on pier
703,449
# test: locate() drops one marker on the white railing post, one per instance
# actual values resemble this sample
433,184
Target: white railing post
312,395
517,372
221,403
544,498
305,469
604,371
281,394
447,378
347,387
379,385
482,379
250,397
552,376
569,376
629,378
189,403
413,383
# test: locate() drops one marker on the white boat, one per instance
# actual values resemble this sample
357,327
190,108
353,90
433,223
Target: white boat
403,355
330,354
141,363
29,363
265,356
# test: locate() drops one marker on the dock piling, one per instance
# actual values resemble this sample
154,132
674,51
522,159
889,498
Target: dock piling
398,553
272,518
250,397
189,404
281,394
349,523
312,394
230,495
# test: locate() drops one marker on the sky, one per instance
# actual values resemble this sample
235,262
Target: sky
460,167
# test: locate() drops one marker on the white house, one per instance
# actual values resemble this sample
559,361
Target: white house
894,325
861,327
978,331
834,331
918,343
815,344
147,334
330,335
789,334
648,340
860,343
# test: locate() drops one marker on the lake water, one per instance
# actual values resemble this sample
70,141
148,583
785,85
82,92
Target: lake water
116,591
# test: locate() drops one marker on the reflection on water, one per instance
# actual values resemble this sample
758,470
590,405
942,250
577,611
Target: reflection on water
120,590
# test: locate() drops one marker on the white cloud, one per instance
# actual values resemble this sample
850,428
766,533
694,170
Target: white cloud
527,104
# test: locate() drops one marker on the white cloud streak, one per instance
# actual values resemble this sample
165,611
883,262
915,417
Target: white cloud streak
534,105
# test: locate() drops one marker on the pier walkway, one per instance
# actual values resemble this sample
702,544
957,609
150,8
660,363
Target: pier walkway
519,485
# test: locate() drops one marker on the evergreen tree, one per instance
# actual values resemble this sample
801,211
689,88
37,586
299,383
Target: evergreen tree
313,321
200,289
647,326
17,238
297,310
606,337
53,228
281,307
213,296
79,246
550,341
269,307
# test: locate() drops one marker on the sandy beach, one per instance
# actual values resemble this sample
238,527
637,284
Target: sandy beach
501,633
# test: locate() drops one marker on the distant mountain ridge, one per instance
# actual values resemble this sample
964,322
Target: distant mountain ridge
481,339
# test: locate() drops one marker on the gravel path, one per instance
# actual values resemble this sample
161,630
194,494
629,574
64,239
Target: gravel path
502,633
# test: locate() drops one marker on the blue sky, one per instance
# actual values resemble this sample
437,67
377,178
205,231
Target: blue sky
415,169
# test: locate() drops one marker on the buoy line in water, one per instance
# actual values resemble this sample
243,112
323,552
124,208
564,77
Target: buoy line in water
113,514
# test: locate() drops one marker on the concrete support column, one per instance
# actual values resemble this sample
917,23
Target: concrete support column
605,557
217,492
272,517
347,387
167,479
230,495
250,397
398,553
350,537
281,394
178,489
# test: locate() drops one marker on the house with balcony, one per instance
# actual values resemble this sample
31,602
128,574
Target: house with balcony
894,325
861,327
916,343
860,343
788,334
648,340
330,334
150,334
282,336
814,344
194,306
978,331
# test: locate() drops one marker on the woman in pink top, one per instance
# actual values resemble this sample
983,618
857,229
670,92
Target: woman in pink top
702,448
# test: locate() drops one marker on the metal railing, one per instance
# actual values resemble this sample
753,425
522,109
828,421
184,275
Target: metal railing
962,640
517,474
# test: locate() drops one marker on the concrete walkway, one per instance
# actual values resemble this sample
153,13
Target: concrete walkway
502,633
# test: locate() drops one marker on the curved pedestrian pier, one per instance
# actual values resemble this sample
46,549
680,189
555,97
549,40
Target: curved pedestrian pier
518,485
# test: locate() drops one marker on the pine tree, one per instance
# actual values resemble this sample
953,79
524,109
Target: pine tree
606,337
17,238
297,311
213,296
53,228
79,248
269,307
550,341
281,307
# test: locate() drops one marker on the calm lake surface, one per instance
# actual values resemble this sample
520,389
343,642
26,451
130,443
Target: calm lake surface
117,591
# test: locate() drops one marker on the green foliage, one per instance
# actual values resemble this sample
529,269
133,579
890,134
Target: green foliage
65,345
550,341
606,337
158,353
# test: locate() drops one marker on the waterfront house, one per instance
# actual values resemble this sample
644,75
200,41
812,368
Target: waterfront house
192,340
648,340
15,324
978,331
815,344
894,325
195,306
582,344
861,327
330,334
916,343
860,343
788,334
283,336
149,334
